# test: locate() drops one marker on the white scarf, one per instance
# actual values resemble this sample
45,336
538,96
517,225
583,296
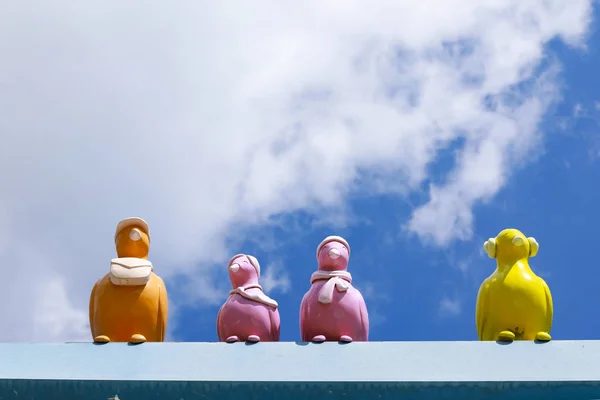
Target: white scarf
130,271
341,280
254,296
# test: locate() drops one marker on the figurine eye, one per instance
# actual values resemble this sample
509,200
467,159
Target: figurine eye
234,267
135,235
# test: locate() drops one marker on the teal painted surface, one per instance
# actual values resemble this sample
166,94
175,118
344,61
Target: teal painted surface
87,390
389,370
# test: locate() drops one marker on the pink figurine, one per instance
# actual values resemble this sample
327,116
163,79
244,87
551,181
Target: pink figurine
248,314
333,309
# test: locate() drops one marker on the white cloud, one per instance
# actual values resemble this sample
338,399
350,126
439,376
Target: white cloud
450,307
274,279
54,318
203,288
202,115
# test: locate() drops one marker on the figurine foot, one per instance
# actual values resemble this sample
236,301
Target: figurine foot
101,339
319,339
254,338
506,336
232,339
137,338
543,337
345,339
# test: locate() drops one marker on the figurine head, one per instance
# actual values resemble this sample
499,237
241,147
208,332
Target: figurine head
511,245
333,254
243,269
132,238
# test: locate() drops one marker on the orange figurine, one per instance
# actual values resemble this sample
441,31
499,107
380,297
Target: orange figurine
130,303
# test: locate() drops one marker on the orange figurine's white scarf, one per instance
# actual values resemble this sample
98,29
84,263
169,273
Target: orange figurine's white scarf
340,280
258,296
130,271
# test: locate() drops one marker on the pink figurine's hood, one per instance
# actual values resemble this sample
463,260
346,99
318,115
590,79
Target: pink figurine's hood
333,254
329,239
244,270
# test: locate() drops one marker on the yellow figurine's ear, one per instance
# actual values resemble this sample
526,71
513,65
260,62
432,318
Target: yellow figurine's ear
534,246
490,247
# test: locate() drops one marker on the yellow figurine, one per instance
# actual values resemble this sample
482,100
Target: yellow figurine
513,303
130,303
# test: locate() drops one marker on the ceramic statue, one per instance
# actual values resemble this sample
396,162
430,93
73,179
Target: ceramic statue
130,303
333,309
513,303
248,313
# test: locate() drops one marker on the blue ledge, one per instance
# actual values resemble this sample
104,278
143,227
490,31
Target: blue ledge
280,371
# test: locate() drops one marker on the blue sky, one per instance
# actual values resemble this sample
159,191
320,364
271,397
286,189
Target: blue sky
417,291
416,130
